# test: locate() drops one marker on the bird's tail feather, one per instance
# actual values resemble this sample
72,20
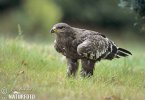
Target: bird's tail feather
123,52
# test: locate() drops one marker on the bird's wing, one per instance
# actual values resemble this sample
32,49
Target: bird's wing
94,46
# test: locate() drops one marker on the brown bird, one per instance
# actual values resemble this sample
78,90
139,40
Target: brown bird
87,45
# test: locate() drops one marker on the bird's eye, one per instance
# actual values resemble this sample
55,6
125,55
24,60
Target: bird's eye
61,27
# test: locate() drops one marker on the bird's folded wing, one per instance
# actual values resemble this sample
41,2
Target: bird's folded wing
93,47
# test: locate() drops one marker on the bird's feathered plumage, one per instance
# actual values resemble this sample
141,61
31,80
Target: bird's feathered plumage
75,43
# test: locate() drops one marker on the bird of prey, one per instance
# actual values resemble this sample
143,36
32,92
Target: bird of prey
86,45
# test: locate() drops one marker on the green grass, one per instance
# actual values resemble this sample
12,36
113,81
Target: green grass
39,68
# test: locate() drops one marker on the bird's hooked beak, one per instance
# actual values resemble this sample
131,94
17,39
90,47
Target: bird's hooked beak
53,30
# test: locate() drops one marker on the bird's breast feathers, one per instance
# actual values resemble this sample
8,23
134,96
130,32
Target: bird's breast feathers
67,48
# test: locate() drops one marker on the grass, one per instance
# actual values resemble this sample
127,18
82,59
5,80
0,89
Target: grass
40,70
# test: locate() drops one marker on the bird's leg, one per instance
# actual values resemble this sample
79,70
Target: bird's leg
72,67
87,67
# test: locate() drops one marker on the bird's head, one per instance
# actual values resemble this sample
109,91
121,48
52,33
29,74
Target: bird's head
61,28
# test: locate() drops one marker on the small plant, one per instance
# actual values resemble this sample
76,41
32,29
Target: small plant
20,36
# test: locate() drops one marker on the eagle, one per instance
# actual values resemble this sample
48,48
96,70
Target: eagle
85,45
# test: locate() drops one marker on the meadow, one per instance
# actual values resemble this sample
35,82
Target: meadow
38,69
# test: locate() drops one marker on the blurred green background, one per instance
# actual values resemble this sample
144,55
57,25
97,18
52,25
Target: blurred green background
36,17
29,61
